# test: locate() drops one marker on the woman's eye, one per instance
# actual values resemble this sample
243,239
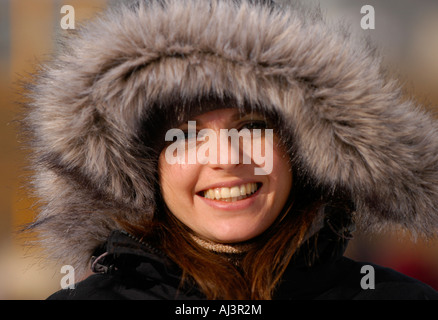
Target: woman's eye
189,135
256,124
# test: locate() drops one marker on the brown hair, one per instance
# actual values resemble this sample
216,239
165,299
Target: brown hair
258,271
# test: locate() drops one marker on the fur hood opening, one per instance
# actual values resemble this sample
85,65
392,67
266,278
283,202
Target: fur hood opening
346,123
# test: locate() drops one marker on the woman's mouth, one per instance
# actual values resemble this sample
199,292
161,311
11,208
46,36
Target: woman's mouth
231,194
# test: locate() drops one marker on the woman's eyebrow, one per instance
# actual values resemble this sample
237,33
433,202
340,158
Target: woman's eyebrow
235,117
248,116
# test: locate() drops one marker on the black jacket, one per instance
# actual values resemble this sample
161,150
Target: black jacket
130,269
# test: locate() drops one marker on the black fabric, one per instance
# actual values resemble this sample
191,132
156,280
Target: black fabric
130,269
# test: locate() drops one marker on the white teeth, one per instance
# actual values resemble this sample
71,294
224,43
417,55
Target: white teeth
231,194
225,193
235,192
242,190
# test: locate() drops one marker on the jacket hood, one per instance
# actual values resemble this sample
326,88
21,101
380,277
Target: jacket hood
346,124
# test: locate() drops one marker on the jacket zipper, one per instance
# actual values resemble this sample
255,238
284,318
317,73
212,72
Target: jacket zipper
146,245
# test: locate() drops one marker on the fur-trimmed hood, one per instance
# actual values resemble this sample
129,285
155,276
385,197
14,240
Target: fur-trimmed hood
351,129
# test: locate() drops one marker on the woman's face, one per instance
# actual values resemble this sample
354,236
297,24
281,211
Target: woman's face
220,200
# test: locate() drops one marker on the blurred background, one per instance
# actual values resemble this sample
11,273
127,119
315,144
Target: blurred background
406,33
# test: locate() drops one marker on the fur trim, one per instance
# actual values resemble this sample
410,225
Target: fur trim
352,130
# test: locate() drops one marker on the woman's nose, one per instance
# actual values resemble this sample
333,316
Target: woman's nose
229,151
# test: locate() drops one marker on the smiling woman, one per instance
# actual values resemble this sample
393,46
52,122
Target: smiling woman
224,207
330,146
205,197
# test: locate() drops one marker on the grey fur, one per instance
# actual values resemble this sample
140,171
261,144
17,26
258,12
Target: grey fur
351,127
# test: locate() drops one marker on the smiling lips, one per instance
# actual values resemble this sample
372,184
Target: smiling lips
232,194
